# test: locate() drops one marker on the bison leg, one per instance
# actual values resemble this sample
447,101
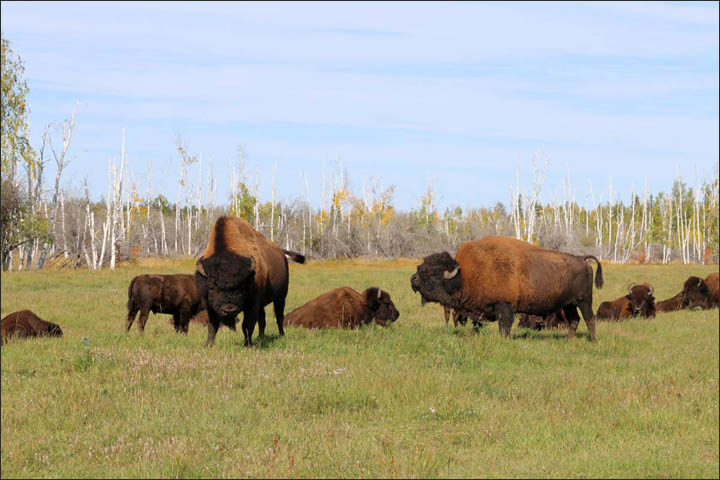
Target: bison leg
446,312
261,322
183,321
573,319
144,313
132,313
250,316
587,313
213,325
505,318
279,307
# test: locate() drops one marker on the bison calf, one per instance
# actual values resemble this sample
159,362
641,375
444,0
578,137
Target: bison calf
638,302
345,308
26,324
540,322
174,295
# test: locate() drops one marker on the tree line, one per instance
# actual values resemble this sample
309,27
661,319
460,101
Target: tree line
47,224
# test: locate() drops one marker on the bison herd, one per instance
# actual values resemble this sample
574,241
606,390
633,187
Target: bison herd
491,279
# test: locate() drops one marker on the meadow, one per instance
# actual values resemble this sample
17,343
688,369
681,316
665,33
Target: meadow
416,399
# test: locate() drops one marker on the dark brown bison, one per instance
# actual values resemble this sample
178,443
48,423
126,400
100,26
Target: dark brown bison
701,293
174,295
345,308
26,324
496,277
638,302
242,271
671,304
555,319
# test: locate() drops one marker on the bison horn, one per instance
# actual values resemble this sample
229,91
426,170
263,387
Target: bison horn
379,293
448,275
200,269
629,287
651,288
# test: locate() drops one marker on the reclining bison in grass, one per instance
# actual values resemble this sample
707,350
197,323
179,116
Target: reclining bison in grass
701,293
241,271
639,302
345,308
174,295
25,323
497,277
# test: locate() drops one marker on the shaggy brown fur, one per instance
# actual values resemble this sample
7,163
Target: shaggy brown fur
671,304
174,295
499,276
701,293
638,302
241,271
26,324
345,308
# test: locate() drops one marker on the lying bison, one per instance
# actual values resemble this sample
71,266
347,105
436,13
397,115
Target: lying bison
701,293
26,324
638,302
671,304
345,308
555,319
241,271
174,295
498,276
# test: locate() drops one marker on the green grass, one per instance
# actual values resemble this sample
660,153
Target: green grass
417,399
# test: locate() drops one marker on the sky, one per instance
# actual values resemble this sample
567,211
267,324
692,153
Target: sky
460,96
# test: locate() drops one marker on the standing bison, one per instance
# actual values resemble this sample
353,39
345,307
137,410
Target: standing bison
345,308
498,276
638,302
26,324
241,271
701,293
174,295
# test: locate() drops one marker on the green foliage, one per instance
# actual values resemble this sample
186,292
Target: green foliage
243,205
417,399
15,144
19,225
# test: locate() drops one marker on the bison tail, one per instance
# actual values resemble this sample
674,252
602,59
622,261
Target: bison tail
294,256
598,273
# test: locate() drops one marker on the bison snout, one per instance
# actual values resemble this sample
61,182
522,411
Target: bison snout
228,310
414,282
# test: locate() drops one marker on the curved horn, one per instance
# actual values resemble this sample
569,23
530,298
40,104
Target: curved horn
200,268
448,275
651,288
699,282
379,292
629,287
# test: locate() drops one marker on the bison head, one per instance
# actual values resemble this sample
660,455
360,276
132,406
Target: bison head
641,299
223,282
695,293
437,279
52,330
381,306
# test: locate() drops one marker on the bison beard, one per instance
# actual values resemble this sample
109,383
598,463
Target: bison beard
26,324
495,277
241,271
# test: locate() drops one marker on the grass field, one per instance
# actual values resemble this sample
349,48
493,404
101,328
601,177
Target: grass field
417,399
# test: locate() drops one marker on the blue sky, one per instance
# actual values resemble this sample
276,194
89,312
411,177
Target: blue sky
457,94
